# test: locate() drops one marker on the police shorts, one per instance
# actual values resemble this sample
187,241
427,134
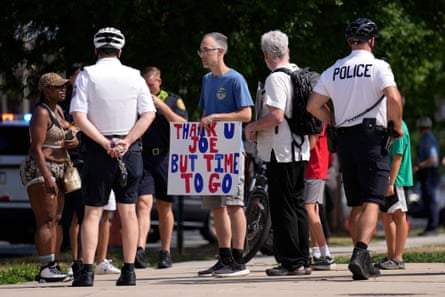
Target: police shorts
101,174
221,201
30,173
314,191
155,177
365,167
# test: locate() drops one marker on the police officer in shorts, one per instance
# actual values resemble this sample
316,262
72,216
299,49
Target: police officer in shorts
113,107
365,97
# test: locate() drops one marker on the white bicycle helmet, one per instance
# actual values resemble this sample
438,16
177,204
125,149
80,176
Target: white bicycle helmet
109,38
424,122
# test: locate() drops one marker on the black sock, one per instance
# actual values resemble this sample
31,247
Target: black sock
238,256
128,267
88,267
361,245
226,256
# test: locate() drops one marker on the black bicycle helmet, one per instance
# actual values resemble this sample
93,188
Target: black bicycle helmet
109,38
362,29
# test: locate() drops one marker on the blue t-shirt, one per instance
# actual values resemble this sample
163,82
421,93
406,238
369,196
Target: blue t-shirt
427,148
225,93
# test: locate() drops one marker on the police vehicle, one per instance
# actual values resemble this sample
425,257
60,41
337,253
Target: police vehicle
16,217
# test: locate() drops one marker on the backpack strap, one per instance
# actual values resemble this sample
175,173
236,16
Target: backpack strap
294,141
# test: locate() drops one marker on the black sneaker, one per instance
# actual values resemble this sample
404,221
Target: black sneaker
233,269
282,271
360,264
127,278
139,261
84,279
164,260
209,272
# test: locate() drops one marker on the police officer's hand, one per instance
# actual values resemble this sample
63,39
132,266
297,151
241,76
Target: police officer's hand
156,101
117,148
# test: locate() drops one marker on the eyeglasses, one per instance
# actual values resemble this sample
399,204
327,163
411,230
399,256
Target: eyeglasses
205,51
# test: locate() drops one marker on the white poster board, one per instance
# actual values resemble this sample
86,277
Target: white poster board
204,162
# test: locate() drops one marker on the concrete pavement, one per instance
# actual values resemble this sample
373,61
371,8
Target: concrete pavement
418,279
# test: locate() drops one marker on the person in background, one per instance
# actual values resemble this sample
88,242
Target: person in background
73,207
103,265
365,98
225,97
112,106
393,212
314,189
43,169
426,167
155,154
285,163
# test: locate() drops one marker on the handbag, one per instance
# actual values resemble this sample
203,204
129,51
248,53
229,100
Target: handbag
71,178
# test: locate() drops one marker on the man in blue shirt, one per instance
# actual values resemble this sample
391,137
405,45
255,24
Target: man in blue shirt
426,167
225,97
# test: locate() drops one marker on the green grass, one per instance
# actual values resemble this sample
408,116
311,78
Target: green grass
18,272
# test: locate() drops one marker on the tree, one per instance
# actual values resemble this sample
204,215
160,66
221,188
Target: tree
38,36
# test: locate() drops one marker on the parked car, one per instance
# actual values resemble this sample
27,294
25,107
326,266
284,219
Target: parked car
16,215
194,217
415,204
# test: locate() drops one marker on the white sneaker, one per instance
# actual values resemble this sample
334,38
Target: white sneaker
105,267
70,272
51,274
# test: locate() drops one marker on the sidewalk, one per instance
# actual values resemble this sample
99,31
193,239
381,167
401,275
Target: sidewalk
418,279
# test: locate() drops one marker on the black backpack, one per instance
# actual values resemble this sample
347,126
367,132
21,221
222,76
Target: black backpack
302,122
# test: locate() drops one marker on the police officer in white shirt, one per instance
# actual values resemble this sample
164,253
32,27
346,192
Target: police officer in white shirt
355,84
112,106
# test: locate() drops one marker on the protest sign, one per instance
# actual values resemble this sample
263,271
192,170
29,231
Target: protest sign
204,162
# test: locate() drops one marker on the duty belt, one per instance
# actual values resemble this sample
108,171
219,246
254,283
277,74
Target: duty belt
358,129
155,151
